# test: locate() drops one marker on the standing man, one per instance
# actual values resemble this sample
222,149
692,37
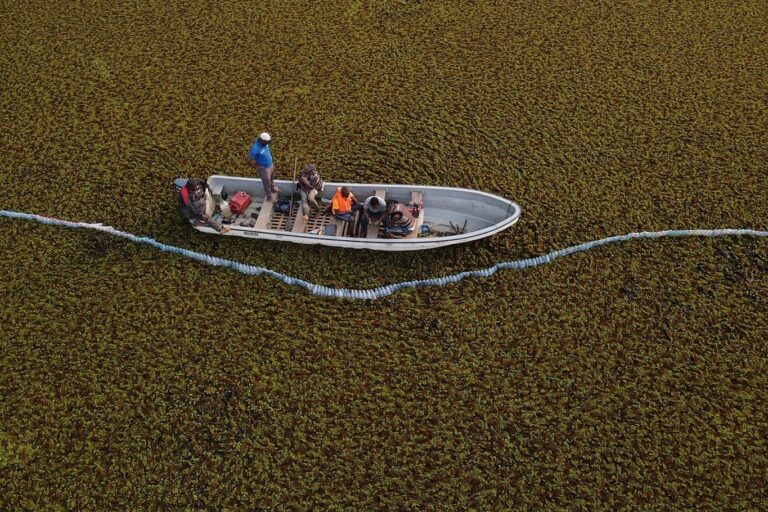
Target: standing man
260,158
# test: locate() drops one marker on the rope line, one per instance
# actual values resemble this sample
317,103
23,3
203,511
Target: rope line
386,290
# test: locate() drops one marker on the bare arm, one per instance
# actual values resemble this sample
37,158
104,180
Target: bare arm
199,209
216,224
253,163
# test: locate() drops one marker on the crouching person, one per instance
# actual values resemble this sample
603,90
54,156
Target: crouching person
310,184
399,221
197,205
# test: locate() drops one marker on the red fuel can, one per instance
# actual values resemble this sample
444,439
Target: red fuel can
239,202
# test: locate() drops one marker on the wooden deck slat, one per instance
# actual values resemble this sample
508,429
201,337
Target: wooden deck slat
340,224
299,224
262,221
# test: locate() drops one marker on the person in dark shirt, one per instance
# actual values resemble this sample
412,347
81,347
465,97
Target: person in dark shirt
310,183
197,205
399,221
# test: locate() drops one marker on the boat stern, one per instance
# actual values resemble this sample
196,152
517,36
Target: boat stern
179,183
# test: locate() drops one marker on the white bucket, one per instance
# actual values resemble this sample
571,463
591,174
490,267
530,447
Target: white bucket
226,211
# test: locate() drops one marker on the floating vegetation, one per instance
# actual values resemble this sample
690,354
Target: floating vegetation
630,377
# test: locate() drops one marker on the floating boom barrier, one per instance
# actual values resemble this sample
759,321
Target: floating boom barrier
386,290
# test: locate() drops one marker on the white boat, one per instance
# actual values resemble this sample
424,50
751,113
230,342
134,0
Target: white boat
446,215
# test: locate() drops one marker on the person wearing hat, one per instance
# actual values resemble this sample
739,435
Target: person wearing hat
260,158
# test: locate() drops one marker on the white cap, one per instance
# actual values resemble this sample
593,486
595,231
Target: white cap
265,137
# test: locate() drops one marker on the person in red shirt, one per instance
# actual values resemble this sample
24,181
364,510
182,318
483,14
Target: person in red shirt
197,205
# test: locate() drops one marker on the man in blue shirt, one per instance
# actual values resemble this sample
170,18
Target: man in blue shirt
260,158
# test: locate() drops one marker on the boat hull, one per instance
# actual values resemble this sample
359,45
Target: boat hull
444,209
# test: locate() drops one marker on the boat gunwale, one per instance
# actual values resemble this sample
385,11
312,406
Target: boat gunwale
368,242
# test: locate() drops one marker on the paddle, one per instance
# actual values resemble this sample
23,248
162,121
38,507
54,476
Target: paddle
289,224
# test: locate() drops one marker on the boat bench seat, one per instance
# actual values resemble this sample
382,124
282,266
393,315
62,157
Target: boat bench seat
340,225
299,224
262,221
418,198
373,229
